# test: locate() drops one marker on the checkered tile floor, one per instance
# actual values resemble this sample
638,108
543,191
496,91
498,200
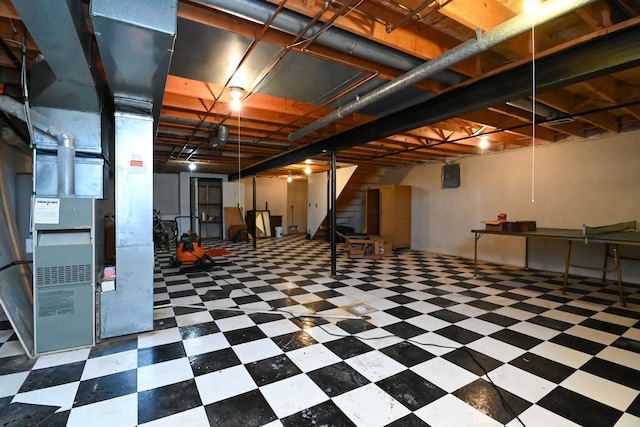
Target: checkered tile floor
268,337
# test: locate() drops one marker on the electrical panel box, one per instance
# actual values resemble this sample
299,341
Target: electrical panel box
63,274
451,176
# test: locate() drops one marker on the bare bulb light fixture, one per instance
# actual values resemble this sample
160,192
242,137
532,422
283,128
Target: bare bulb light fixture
531,6
484,143
236,93
192,166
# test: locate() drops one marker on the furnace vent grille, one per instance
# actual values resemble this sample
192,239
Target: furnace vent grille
63,274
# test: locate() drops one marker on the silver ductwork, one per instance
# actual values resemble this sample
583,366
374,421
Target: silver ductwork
221,138
136,42
66,142
63,89
333,37
63,77
501,33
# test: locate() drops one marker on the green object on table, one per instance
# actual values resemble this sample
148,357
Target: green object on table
612,228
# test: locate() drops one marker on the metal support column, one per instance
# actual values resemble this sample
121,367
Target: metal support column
332,228
253,220
129,309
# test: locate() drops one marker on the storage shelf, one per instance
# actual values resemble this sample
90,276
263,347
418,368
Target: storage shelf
210,206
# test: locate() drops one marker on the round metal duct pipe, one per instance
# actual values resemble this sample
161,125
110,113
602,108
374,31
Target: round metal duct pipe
66,142
333,37
499,34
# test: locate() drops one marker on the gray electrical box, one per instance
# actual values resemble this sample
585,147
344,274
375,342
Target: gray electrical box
63,274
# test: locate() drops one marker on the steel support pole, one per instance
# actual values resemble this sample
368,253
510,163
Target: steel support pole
253,220
332,228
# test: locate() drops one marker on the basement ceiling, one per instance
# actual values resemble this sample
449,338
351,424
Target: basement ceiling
298,61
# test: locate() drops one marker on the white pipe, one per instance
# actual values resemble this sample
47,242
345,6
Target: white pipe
499,34
66,142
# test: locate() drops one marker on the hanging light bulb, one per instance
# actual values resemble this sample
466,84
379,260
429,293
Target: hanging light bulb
289,179
236,93
531,6
484,142
307,170
192,166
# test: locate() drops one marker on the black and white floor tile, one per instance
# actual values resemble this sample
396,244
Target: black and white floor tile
268,337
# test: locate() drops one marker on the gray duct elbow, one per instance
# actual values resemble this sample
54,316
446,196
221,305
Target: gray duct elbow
66,165
66,142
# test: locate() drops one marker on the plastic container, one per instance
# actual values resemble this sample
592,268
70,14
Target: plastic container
278,232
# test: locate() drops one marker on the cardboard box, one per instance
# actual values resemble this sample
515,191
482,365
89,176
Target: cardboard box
108,282
511,226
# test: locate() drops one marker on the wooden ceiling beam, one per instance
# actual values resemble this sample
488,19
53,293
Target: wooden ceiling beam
610,90
8,11
497,119
566,102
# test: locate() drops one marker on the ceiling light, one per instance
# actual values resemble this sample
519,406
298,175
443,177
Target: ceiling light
289,179
307,170
308,161
484,142
236,93
531,6
192,166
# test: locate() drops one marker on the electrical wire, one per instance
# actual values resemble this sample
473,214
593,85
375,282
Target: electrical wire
533,109
19,262
27,115
239,167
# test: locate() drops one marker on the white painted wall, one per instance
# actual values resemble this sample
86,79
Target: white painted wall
593,182
165,194
271,194
233,195
317,200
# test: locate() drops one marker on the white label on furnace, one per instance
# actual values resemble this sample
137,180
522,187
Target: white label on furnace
47,211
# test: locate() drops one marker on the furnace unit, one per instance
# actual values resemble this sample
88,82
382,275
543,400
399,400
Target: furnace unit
63,273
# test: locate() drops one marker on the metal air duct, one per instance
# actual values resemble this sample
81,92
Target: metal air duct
335,38
136,43
64,78
66,147
135,40
221,138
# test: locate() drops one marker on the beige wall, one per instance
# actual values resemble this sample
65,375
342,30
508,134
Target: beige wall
271,194
279,196
297,197
593,182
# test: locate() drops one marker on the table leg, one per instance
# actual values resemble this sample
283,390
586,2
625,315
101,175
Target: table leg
606,261
475,255
616,260
567,260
